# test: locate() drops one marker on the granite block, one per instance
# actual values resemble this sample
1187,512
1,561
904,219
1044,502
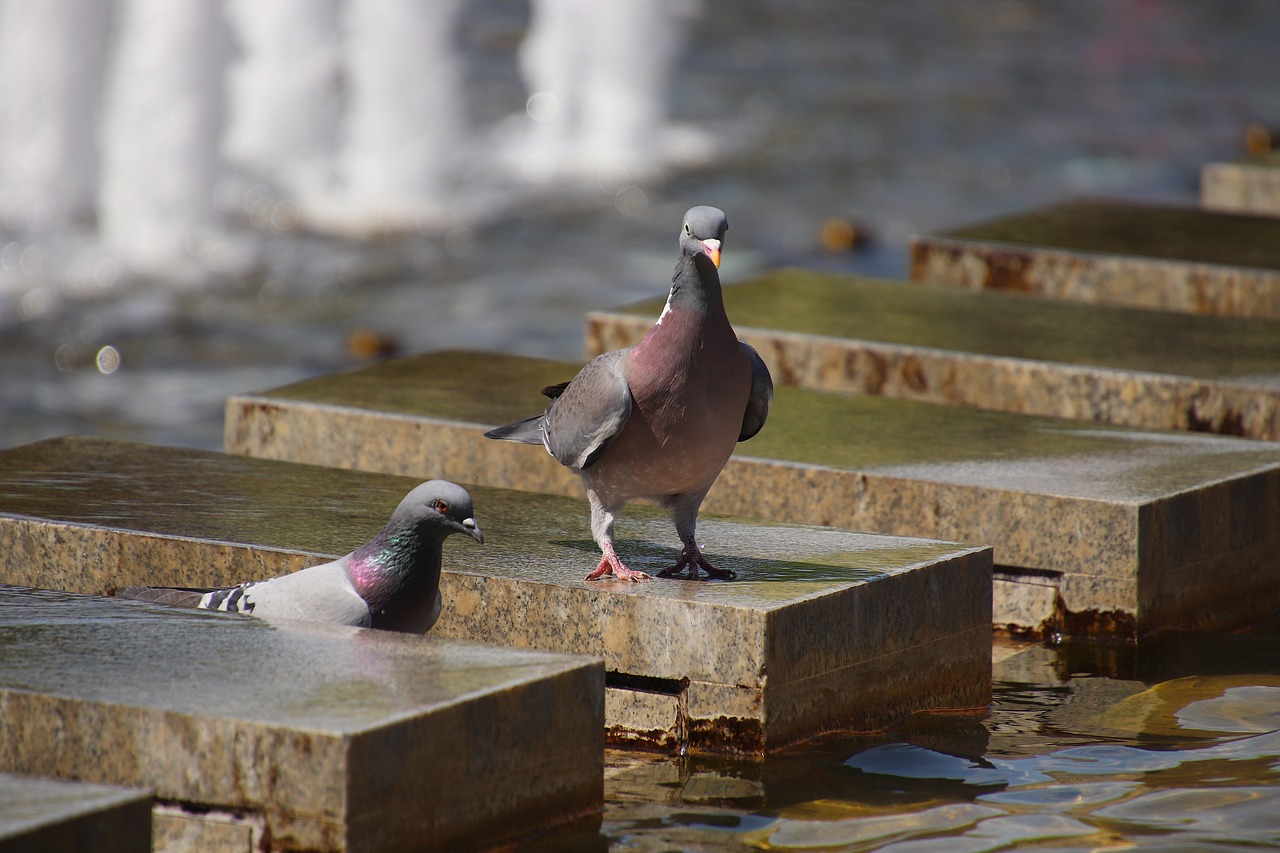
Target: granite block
645,719
177,830
1182,259
1021,600
1089,524
54,815
845,598
1000,351
324,737
1249,186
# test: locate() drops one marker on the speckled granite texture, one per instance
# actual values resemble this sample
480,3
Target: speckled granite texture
1002,351
1146,256
334,738
1251,186
824,629
38,814
1104,530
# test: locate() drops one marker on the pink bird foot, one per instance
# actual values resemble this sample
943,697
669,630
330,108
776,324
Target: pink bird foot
611,566
692,559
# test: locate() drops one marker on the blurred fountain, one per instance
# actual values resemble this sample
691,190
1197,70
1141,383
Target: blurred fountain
284,92
404,133
52,55
155,120
599,75
161,133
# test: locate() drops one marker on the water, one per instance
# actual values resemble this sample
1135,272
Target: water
896,117
1083,748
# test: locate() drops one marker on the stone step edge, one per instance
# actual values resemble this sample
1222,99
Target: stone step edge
929,375
1087,276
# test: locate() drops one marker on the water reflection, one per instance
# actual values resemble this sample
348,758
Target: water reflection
1074,755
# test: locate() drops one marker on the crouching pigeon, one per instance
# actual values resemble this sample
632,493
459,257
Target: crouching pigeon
660,420
390,582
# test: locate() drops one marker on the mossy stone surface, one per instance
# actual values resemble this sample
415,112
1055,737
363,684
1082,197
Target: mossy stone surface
858,432
1010,325
177,492
1143,230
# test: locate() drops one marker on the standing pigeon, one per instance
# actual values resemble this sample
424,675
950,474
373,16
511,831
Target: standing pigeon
390,582
660,420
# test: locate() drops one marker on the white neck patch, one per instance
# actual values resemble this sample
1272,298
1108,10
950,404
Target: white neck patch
666,309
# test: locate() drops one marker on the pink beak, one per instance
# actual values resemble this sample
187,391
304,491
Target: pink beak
712,248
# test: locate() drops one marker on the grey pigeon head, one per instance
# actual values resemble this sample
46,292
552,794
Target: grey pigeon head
440,507
703,232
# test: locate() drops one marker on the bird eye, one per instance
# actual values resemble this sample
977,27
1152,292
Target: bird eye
441,506
688,230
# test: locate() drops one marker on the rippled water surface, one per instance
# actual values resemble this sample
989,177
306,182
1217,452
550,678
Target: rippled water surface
1083,748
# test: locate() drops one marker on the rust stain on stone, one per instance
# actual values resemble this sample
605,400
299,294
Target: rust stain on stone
871,368
659,740
913,374
1225,422
1117,625
258,418
919,263
726,734
1006,270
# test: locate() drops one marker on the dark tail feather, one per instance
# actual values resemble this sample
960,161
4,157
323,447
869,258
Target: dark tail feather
172,596
554,391
527,431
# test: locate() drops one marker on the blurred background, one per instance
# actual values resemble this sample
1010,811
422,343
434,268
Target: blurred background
203,198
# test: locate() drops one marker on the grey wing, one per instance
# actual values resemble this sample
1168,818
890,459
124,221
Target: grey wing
761,394
590,413
316,594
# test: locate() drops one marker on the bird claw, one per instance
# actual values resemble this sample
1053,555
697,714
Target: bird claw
694,561
614,568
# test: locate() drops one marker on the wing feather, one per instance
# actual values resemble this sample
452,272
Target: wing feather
590,412
761,394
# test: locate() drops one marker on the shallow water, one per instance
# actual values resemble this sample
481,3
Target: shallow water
1083,748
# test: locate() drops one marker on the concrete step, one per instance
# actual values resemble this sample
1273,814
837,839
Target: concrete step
1097,530
55,815
297,736
1249,186
999,351
824,629
1148,256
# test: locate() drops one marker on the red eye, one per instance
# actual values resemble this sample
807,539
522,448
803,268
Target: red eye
441,507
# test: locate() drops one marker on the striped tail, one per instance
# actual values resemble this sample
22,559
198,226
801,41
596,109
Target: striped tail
172,596
230,599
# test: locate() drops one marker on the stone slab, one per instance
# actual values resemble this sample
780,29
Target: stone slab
1168,258
824,629
999,351
1098,530
54,815
335,738
1249,186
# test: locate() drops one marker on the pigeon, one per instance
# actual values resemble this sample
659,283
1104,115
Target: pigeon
390,582
659,420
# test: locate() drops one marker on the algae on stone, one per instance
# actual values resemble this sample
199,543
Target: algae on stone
1004,324
1153,231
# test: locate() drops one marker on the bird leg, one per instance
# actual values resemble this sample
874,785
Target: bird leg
691,557
684,513
602,531
610,565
